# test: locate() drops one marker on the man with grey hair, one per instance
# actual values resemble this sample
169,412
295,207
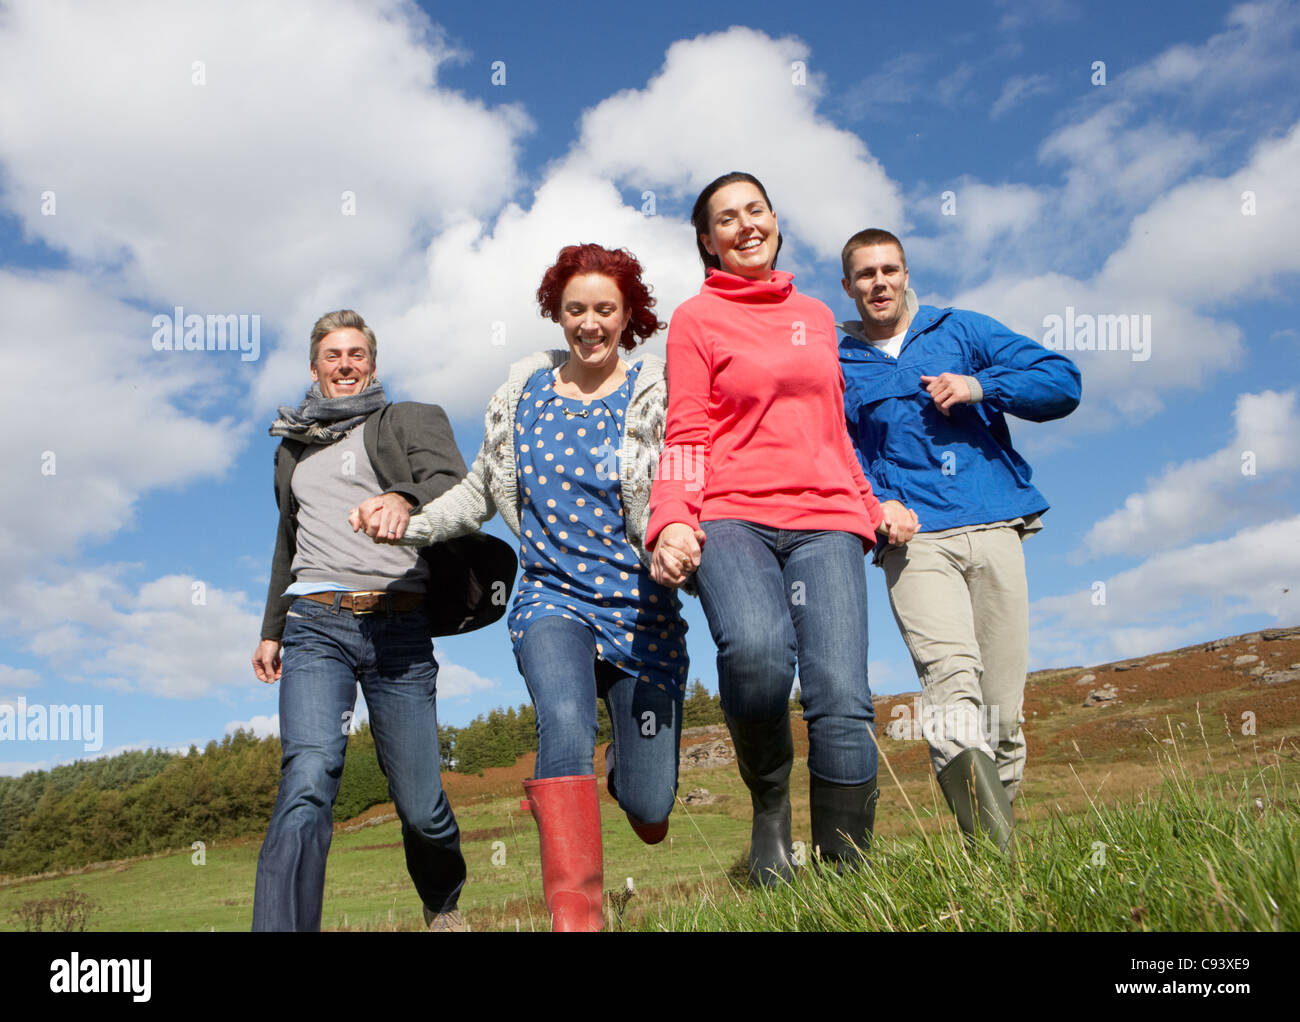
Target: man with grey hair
341,610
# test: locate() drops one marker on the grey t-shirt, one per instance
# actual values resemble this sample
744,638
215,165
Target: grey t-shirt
327,483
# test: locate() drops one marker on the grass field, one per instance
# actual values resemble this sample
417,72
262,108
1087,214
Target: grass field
1176,808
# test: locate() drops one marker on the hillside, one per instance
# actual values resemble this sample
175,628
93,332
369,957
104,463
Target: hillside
1097,737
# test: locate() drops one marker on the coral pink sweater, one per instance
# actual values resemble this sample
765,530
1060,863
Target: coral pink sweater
756,415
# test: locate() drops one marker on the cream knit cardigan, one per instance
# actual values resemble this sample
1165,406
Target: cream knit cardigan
492,486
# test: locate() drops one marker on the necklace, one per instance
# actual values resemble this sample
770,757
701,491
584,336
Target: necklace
575,415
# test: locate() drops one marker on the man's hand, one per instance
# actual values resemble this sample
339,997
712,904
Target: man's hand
383,518
676,554
266,661
899,523
947,390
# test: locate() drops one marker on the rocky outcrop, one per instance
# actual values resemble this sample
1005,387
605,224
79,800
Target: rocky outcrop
709,754
1106,694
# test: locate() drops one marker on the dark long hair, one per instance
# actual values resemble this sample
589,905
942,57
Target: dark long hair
700,214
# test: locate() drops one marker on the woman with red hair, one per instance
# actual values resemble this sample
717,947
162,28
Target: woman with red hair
570,444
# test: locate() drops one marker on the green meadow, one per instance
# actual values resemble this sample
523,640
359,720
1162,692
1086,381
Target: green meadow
1211,845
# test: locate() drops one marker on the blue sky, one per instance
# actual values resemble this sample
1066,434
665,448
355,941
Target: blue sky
202,157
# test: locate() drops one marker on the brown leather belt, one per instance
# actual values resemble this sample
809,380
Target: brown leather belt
370,603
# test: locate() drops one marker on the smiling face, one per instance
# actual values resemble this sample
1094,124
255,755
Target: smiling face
877,283
743,232
343,364
593,316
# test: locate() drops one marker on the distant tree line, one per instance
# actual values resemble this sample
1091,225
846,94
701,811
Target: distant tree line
140,802
137,803
501,736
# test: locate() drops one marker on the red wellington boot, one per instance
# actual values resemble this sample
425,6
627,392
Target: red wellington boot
567,811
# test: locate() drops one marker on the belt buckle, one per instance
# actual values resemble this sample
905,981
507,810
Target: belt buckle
366,603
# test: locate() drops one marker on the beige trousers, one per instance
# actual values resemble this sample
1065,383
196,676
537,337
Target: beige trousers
962,605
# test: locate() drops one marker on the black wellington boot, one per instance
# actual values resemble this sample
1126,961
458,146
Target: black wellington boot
765,754
975,794
843,817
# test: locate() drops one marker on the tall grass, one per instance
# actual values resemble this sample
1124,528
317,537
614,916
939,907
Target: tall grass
1211,852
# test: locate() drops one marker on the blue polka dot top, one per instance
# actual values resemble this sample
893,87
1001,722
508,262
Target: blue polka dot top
577,562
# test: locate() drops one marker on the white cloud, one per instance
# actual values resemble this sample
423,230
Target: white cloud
260,725
777,134
1202,223
240,211
1016,90
18,768
17,677
1174,597
105,422
1120,386
94,627
1112,169
985,223
1019,15
1160,272
1256,43
457,682
229,194
1199,496
442,349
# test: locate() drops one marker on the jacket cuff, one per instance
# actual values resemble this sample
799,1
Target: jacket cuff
976,389
414,492
671,512
419,530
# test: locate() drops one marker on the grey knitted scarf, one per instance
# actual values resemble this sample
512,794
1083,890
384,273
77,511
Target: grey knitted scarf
323,420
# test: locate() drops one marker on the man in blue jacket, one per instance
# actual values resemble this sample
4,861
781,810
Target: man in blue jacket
925,392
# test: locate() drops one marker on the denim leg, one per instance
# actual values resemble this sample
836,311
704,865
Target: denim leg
318,688
647,724
557,657
747,606
399,679
825,571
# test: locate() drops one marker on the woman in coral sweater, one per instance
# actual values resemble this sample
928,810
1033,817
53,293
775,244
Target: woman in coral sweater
761,496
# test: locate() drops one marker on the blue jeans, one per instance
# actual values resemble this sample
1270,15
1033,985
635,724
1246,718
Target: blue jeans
774,595
326,651
557,658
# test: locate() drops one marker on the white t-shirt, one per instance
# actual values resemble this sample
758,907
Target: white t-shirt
892,346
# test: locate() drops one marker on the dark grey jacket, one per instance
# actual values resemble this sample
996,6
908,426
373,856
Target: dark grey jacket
413,452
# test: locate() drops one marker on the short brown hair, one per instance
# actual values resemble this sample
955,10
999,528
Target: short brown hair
341,320
871,236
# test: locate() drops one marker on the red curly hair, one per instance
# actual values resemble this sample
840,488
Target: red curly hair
622,268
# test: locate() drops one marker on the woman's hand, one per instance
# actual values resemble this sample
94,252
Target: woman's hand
384,518
898,524
676,554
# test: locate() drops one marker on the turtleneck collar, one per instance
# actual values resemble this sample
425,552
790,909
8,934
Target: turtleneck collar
742,289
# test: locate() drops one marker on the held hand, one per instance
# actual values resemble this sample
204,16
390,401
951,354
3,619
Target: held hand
676,554
899,523
266,661
947,389
383,518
